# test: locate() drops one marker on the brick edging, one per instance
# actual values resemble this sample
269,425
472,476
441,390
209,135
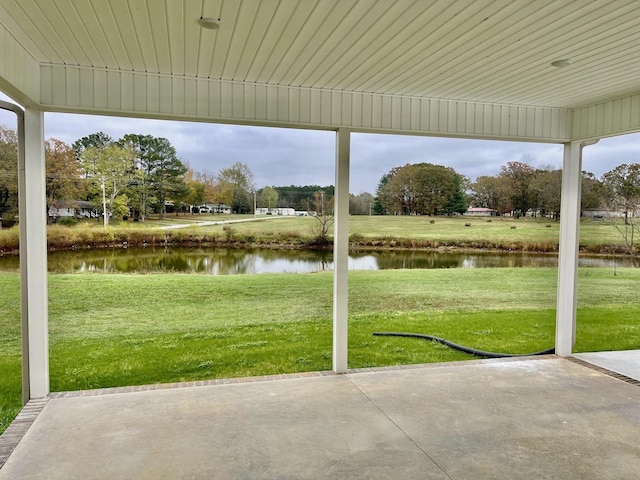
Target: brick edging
13,434
605,371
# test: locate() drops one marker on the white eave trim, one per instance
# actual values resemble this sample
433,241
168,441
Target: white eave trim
112,92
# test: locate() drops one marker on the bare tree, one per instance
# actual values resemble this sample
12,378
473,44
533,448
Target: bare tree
623,197
323,206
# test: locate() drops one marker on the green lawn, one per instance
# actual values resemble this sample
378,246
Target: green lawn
109,330
541,233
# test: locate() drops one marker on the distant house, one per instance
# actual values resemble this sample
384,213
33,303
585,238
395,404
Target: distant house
602,213
211,208
278,211
480,212
222,208
73,209
283,211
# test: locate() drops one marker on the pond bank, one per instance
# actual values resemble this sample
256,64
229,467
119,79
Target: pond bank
229,236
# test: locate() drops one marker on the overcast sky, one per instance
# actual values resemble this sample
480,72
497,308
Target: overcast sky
279,156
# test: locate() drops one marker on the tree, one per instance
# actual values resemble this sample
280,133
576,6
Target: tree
459,202
418,189
517,177
235,184
196,190
267,197
379,203
162,173
622,185
8,174
593,191
491,192
323,208
545,188
64,182
113,168
361,204
301,197
97,140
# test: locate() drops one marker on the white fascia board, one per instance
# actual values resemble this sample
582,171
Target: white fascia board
110,92
609,118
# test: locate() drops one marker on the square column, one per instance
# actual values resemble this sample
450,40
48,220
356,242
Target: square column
341,252
568,250
33,258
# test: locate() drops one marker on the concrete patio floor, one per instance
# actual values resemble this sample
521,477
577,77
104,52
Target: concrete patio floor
533,418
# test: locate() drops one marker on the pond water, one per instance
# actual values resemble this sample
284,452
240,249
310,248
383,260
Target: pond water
220,261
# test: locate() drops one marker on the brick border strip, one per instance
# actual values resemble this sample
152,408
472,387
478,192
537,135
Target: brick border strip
285,376
604,371
13,434
197,383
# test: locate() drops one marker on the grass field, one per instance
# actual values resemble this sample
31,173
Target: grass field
109,330
451,230
365,231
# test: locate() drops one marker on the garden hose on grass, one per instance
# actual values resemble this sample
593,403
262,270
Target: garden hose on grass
462,348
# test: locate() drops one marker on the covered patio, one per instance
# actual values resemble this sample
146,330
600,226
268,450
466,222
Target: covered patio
544,417
543,71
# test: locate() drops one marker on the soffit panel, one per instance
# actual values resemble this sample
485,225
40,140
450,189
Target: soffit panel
495,51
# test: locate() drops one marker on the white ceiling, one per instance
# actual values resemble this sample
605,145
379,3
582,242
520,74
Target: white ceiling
474,50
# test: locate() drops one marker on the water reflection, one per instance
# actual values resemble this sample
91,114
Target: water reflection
238,261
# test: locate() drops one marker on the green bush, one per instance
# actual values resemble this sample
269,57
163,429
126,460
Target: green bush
67,221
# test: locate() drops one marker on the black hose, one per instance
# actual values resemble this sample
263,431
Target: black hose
462,348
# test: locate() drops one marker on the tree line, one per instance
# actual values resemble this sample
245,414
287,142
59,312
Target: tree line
138,175
518,189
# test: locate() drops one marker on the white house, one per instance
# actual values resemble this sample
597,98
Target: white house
602,213
73,209
277,211
480,212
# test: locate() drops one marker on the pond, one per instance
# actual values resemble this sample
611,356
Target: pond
220,261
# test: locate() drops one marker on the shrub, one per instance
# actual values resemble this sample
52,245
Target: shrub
229,232
356,238
67,221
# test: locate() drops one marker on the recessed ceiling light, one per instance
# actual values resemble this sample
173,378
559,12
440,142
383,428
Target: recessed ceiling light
561,63
209,23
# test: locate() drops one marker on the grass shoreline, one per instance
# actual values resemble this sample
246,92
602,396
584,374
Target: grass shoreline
366,234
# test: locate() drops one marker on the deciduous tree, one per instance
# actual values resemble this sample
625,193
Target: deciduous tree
64,182
8,174
517,177
235,184
623,188
112,169
267,197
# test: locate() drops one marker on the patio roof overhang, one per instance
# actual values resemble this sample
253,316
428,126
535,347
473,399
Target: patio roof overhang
457,68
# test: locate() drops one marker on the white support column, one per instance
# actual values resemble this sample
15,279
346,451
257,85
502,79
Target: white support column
568,254
341,253
33,257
